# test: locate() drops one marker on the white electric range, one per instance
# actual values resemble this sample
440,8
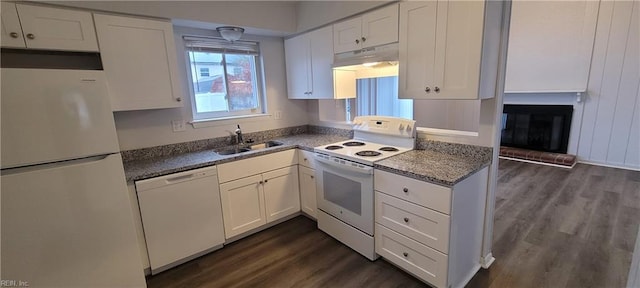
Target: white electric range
345,178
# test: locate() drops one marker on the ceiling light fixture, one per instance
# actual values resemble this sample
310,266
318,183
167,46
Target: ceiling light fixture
230,33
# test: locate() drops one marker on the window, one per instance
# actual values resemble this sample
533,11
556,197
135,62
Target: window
204,72
224,77
379,96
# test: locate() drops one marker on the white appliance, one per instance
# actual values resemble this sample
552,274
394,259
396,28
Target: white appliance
66,216
345,178
182,216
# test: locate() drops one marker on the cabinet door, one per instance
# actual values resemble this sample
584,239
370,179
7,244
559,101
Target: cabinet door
307,191
11,30
321,64
281,195
60,29
297,53
417,48
346,35
380,26
458,52
143,73
242,205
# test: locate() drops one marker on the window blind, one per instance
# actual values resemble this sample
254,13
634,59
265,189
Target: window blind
218,45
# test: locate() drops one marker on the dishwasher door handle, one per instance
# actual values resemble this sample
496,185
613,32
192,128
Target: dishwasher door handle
176,178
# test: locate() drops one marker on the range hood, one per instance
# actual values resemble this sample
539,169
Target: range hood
380,54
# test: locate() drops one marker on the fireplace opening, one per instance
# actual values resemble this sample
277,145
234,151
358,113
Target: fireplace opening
537,127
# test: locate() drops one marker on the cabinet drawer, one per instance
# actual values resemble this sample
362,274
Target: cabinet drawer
418,192
416,222
305,158
419,260
256,165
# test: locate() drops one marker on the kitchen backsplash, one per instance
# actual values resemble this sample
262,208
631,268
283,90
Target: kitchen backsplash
479,153
219,142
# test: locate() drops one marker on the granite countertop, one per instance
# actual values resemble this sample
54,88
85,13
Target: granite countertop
438,167
149,168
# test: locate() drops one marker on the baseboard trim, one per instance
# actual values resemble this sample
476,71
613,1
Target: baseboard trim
487,260
537,162
609,165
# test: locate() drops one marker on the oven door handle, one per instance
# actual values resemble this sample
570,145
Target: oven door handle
360,170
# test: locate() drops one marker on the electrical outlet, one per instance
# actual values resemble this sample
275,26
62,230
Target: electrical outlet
178,125
277,115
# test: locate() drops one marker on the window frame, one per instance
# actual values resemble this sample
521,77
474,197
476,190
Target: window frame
258,85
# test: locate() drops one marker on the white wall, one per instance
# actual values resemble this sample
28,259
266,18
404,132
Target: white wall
147,128
610,131
272,16
312,14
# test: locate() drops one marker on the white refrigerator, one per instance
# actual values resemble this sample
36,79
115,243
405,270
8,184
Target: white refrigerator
65,211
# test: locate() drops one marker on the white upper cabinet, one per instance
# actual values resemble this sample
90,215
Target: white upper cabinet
11,31
40,27
139,59
371,29
550,46
308,60
449,49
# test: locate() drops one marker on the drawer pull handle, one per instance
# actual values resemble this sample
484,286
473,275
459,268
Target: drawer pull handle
405,254
406,220
405,189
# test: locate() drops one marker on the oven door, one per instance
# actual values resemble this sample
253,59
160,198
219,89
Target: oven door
345,191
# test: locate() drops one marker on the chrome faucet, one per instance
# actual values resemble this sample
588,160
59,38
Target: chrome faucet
239,139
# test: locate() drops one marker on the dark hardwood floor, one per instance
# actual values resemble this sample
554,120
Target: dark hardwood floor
553,228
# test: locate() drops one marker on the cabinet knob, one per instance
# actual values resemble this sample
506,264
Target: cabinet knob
312,177
13,35
364,39
357,41
31,36
406,220
427,89
405,254
265,181
305,159
179,99
261,182
405,190
437,89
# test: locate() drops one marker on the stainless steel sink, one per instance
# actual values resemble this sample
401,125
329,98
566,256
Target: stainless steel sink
233,151
265,145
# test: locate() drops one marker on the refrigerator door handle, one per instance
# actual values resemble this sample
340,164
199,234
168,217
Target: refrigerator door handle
58,164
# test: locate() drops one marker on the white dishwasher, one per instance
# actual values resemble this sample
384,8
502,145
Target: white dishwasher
181,216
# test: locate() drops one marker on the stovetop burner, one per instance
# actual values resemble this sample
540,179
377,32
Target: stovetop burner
333,147
353,143
368,153
389,149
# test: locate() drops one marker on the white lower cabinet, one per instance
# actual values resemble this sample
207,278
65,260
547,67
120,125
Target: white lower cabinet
307,174
281,196
431,231
257,191
242,205
308,191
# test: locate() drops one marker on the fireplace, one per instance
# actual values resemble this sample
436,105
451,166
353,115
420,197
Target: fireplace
537,127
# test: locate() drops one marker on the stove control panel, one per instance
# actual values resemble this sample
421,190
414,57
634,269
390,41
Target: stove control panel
385,125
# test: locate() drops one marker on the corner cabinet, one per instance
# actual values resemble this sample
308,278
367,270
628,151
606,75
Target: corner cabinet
306,172
139,59
308,62
371,29
449,49
37,27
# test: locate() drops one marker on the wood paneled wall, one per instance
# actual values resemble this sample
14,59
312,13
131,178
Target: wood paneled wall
610,132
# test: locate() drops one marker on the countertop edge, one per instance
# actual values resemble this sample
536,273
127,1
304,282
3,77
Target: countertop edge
428,179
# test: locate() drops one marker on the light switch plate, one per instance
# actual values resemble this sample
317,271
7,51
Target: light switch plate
277,115
178,125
